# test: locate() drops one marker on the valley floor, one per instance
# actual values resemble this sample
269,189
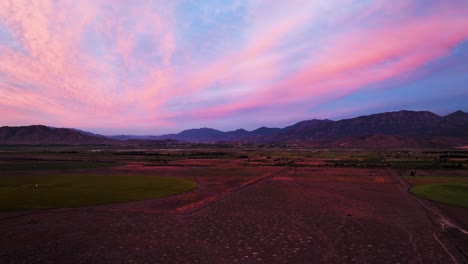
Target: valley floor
269,215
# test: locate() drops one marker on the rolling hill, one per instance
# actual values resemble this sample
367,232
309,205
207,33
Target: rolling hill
43,135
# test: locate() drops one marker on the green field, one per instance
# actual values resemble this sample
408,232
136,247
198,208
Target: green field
62,165
454,193
435,178
41,192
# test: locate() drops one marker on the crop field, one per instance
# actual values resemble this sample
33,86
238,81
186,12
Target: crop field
231,204
44,192
454,193
451,190
67,165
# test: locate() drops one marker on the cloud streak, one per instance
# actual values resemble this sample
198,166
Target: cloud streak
159,66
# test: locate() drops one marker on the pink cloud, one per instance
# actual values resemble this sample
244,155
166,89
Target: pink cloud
359,58
283,56
254,57
67,76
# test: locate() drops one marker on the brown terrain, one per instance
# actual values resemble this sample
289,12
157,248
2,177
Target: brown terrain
245,215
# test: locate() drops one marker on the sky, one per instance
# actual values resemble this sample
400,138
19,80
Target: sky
155,67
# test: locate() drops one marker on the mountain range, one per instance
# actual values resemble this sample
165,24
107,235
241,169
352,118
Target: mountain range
390,129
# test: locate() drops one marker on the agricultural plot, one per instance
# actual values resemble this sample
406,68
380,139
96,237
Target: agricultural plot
454,193
66,165
60,191
451,190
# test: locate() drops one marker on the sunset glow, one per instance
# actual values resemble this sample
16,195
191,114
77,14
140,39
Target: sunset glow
155,67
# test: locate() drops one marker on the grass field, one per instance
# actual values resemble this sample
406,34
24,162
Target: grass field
454,193
40,192
435,178
67,165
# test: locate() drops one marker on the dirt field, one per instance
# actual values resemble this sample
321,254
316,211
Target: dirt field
245,215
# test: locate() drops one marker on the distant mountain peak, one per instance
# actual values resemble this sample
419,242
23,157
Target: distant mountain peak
458,113
458,117
403,113
44,135
201,129
264,131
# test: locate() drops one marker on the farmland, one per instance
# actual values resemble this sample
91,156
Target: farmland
454,193
58,191
238,204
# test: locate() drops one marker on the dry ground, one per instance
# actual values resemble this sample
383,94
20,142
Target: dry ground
244,215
